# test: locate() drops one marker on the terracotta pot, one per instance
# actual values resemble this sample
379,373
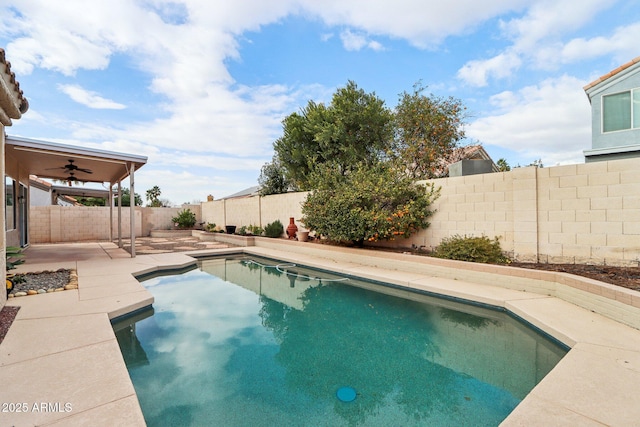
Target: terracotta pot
303,236
292,228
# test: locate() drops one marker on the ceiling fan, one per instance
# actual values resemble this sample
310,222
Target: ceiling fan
72,178
71,168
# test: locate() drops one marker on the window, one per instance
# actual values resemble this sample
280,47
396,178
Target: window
621,111
10,205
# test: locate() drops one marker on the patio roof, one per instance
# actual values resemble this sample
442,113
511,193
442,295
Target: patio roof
47,160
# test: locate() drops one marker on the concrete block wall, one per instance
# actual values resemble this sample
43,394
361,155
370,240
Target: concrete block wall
255,210
283,207
55,224
584,213
591,213
160,218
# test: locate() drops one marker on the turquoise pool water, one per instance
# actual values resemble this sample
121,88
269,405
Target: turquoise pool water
239,342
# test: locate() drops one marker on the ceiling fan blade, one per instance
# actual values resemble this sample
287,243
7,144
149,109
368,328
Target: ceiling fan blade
89,171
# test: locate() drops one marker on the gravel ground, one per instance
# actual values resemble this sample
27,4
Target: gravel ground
7,314
44,280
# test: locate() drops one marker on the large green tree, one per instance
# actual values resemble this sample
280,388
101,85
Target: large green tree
126,198
355,128
428,129
373,202
273,179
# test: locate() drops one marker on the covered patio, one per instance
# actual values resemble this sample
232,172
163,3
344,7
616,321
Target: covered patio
70,164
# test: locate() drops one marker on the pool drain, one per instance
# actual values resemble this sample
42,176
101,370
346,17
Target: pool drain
346,394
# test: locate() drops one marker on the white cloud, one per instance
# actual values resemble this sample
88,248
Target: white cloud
424,24
551,120
89,98
477,73
536,39
357,41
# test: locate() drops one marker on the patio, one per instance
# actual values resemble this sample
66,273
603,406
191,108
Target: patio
61,348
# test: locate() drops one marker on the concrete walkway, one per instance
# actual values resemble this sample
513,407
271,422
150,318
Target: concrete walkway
61,359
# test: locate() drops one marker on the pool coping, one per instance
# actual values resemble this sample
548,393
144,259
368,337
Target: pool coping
594,384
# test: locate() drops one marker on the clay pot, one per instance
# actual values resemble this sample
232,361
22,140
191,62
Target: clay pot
292,228
303,236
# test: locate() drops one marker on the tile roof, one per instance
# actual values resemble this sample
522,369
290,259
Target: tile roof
15,86
612,73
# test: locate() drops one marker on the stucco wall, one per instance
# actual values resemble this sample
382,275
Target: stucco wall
618,138
586,213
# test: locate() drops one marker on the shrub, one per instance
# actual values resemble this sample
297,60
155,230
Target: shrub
211,228
470,248
373,202
185,219
256,230
274,229
13,255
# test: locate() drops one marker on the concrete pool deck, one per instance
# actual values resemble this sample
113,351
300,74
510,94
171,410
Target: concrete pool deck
61,348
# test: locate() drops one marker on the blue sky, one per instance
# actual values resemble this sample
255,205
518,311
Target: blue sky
201,87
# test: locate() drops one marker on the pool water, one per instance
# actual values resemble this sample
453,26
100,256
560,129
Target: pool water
241,342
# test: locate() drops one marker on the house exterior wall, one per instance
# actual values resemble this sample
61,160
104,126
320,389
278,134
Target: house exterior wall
3,239
39,197
602,140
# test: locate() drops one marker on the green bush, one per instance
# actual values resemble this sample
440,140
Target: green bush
470,248
256,230
372,203
210,227
185,219
14,257
274,229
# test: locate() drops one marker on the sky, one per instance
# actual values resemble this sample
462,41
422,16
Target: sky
201,87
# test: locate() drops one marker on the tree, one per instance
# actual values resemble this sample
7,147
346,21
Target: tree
126,198
355,128
91,201
428,129
273,179
503,166
153,195
373,202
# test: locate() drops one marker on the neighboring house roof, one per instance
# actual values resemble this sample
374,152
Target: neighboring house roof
13,104
247,192
469,152
65,199
612,73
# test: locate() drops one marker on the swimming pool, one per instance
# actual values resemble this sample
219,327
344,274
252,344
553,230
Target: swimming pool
249,341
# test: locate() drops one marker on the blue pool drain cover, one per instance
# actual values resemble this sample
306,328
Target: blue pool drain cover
346,394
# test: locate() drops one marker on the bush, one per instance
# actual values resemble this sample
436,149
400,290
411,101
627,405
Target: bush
470,248
185,219
211,228
274,229
373,202
255,230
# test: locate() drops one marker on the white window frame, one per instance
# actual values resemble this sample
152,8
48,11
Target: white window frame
634,124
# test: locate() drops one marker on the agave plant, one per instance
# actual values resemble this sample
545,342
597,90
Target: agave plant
14,257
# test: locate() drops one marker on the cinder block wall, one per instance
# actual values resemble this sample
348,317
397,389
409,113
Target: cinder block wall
586,213
55,224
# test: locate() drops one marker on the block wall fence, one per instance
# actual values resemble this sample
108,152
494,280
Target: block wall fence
583,213
57,224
